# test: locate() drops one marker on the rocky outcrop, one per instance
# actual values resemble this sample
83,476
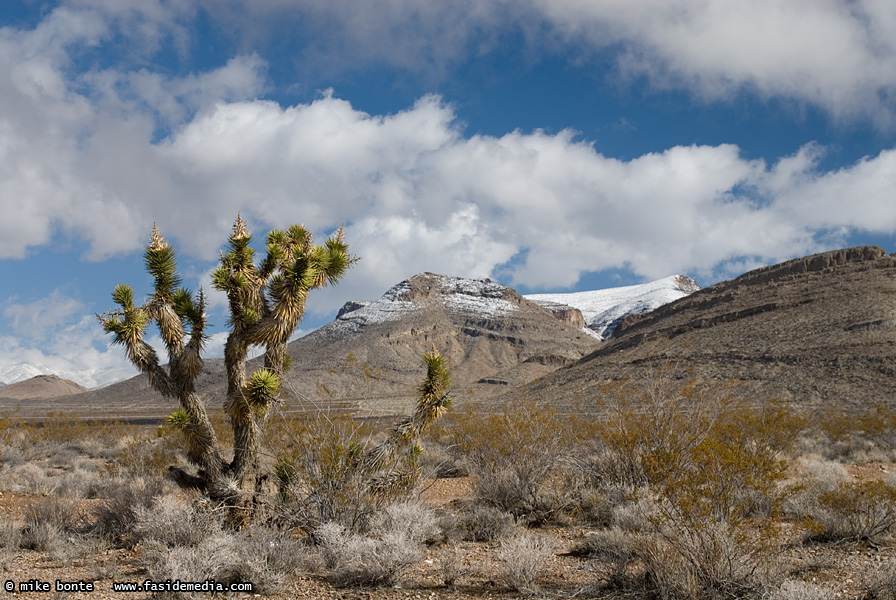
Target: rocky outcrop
351,306
569,315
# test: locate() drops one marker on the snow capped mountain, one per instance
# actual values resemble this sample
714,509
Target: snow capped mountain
19,372
481,297
605,309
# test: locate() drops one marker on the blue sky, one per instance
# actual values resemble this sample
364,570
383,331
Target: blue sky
553,145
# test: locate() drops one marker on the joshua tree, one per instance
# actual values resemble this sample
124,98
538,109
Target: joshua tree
267,303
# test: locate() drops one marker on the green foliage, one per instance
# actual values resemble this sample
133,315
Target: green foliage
512,456
262,387
858,511
178,420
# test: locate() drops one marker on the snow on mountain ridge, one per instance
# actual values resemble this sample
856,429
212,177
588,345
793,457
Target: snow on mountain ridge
482,297
604,309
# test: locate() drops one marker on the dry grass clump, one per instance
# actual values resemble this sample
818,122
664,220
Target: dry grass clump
523,557
258,555
879,581
802,590
49,521
480,523
121,504
174,520
393,542
451,566
357,559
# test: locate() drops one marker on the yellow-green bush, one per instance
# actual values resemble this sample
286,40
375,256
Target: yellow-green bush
513,456
858,510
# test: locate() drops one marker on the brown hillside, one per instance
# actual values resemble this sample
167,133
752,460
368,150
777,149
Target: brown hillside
40,387
814,330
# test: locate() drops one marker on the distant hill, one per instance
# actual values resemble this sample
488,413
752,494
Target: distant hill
819,330
40,387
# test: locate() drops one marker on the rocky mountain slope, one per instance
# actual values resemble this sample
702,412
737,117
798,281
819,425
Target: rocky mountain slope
819,330
492,337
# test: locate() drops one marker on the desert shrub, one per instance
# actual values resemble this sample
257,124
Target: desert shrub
879,581
217,557
357,559
522,558
174,521
451,566
279,552
802,590
329,469
703,475
144,457
614,552
513,457
633,514
858,510
481,523
857,436
392,542
28,478
708,559
121,502
815,477
439,461
49,521
14,455
715,523
599,506
410,520
61,429
259,555
318,472
646,430
10,542
79,483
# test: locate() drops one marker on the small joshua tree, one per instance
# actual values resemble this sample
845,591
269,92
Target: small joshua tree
267,302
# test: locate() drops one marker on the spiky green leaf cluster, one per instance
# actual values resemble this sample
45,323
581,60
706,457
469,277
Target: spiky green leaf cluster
438,379
262,387
189,310
161,264
127,324
179,419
